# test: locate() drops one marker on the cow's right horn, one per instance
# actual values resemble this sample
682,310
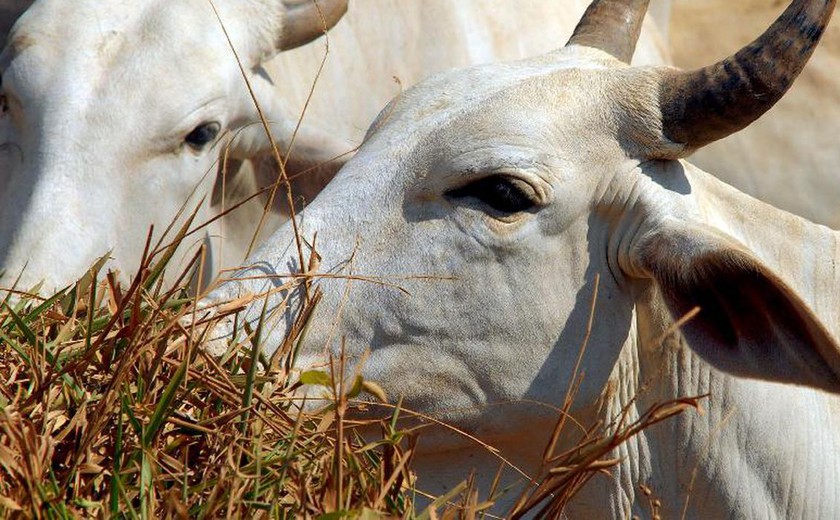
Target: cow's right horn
306,20
705,105
612,26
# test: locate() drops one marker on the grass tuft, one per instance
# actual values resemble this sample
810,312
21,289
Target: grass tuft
109,407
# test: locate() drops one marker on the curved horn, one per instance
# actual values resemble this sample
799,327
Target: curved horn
612,26
306,20
705,105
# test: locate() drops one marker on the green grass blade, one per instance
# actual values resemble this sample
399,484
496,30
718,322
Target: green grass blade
46,304
16,347
169,252
116,480
256,347
164,407
28,334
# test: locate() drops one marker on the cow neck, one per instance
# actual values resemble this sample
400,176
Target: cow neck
762,449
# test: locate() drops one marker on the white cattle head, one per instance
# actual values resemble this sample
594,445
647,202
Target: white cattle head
495,196
114,114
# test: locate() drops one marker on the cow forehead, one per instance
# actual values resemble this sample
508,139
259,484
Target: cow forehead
103,61
86,22
473,89
81,39
474,118
84,25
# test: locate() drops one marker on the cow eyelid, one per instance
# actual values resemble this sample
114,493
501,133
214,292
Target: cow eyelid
499,192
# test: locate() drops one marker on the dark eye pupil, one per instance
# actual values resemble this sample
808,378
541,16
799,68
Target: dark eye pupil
497,192
202,135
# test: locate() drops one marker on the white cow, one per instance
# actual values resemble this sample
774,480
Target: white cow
497,195
99,140
116,113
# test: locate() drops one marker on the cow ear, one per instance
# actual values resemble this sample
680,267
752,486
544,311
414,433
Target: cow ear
269,27
750,323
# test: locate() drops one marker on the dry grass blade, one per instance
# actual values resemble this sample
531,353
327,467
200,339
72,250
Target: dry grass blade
569,471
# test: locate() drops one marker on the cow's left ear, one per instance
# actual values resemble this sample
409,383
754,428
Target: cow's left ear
750,323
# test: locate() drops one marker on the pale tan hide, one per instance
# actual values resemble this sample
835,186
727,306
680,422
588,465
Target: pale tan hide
495,196
83,171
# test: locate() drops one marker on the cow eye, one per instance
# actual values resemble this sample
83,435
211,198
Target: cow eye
497,191
202,135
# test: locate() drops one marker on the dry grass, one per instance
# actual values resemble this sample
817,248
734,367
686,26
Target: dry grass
109,407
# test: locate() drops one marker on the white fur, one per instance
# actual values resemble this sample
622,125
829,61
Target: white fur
104,92
496,309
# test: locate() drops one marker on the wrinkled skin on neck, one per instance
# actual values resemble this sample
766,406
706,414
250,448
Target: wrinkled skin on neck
495,305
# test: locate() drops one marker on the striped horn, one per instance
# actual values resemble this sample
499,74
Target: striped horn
708,104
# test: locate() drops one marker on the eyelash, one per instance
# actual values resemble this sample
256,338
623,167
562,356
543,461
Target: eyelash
497,192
